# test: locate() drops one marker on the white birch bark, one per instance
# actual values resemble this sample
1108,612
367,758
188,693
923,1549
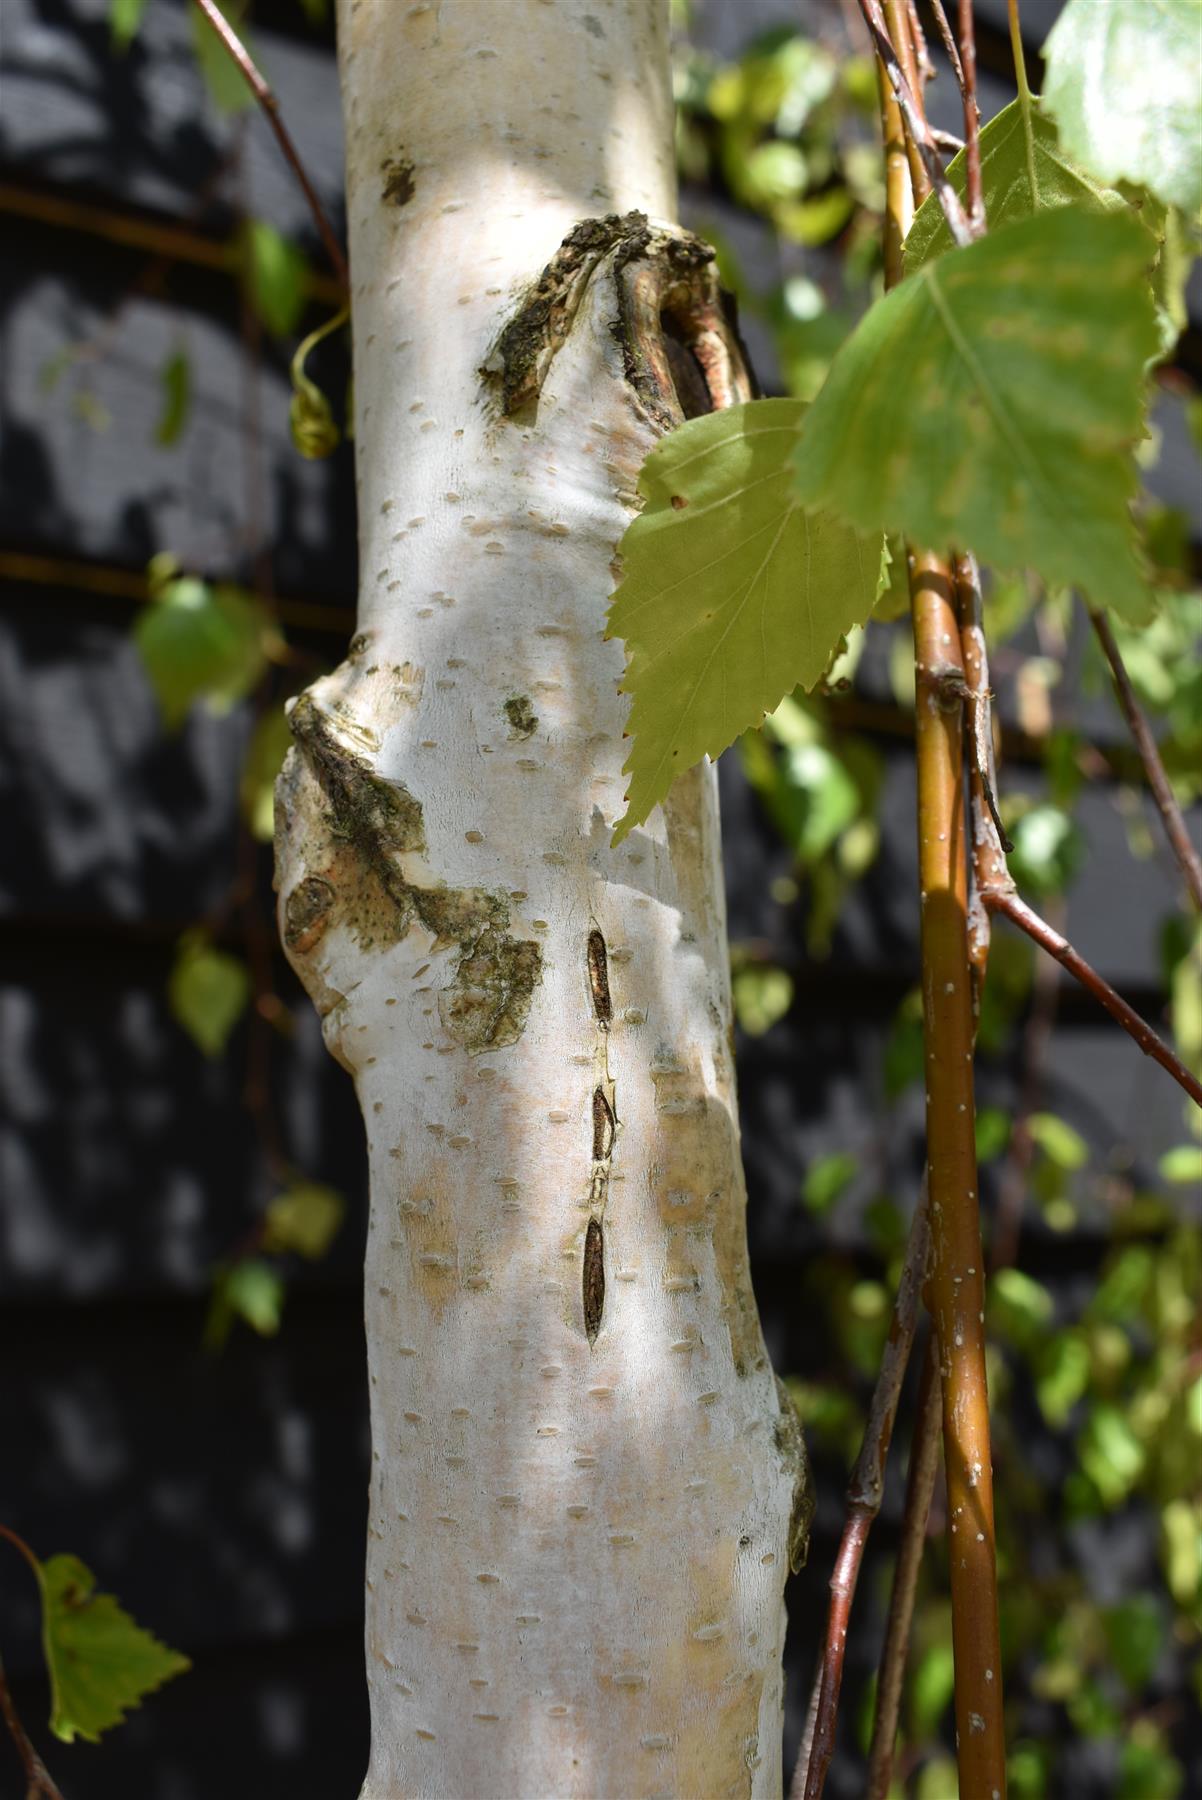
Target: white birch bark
582,1477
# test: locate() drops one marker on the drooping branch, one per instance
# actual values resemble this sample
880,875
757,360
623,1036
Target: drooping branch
1004,899
864,1493
920,1488
1175,827
266,98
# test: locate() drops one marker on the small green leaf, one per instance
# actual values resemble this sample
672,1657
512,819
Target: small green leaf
250,1290
207,991
733,593
1021,173
101,1663
1021,1308
1182,1164
828,1179
269,744
200,642
993,399
227,86
304,1219
1058,1141
1061,1375
274,270
125,17
994,1126
177,399
1123,81
761,996
309,417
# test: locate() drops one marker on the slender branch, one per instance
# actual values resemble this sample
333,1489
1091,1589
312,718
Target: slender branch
916,125
948,40
38,1780
864,1494
920,1488
1174,824
1012,1181
1005,900
922,55
972,119
271,107
955,1292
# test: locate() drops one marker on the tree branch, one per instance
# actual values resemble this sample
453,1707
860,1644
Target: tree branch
916,126
920,1487
1005,900
864,1493
271,107
38,1780
1187,856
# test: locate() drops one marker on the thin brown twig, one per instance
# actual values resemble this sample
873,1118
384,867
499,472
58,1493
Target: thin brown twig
1012,1181
916,126
271,107
864,1493
972,119
948,39
920,1488
918,39
1004,899
1189,862
38,1780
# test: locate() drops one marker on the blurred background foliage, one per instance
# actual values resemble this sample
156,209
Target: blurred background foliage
1096,1386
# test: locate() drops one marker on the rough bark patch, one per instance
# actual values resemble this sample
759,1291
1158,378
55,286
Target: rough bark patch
488,1003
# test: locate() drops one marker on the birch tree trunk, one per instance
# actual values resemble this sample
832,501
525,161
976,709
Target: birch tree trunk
583,1477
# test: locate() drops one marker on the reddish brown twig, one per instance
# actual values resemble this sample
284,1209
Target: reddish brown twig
37,1777
1187,856
271,107
1005,900
38,1780
864,1493
920,1487
919,132
948,40
972,119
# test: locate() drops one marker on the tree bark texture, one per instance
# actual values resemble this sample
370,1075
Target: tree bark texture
585,1482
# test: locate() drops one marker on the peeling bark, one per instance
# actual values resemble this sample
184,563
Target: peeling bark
583,1478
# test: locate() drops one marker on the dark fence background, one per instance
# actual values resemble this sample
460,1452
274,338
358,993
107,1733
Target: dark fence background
222,1498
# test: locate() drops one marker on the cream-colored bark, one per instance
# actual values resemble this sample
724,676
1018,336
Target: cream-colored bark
582,1477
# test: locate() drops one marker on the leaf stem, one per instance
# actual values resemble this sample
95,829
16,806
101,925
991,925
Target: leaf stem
920,1489
1004,899
271,107
1019,56
864,1493
1183,849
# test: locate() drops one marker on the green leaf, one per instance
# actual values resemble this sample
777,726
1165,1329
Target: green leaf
733,593
310,419
1182,1164
274,270
207,992
761,995
828,1179
1021,1308
226,84
1058,1141
991,401
1022,172
101,1663
1123,80
177,399
304,1219
269,744
993,1129
250,1290
125,16
200,642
